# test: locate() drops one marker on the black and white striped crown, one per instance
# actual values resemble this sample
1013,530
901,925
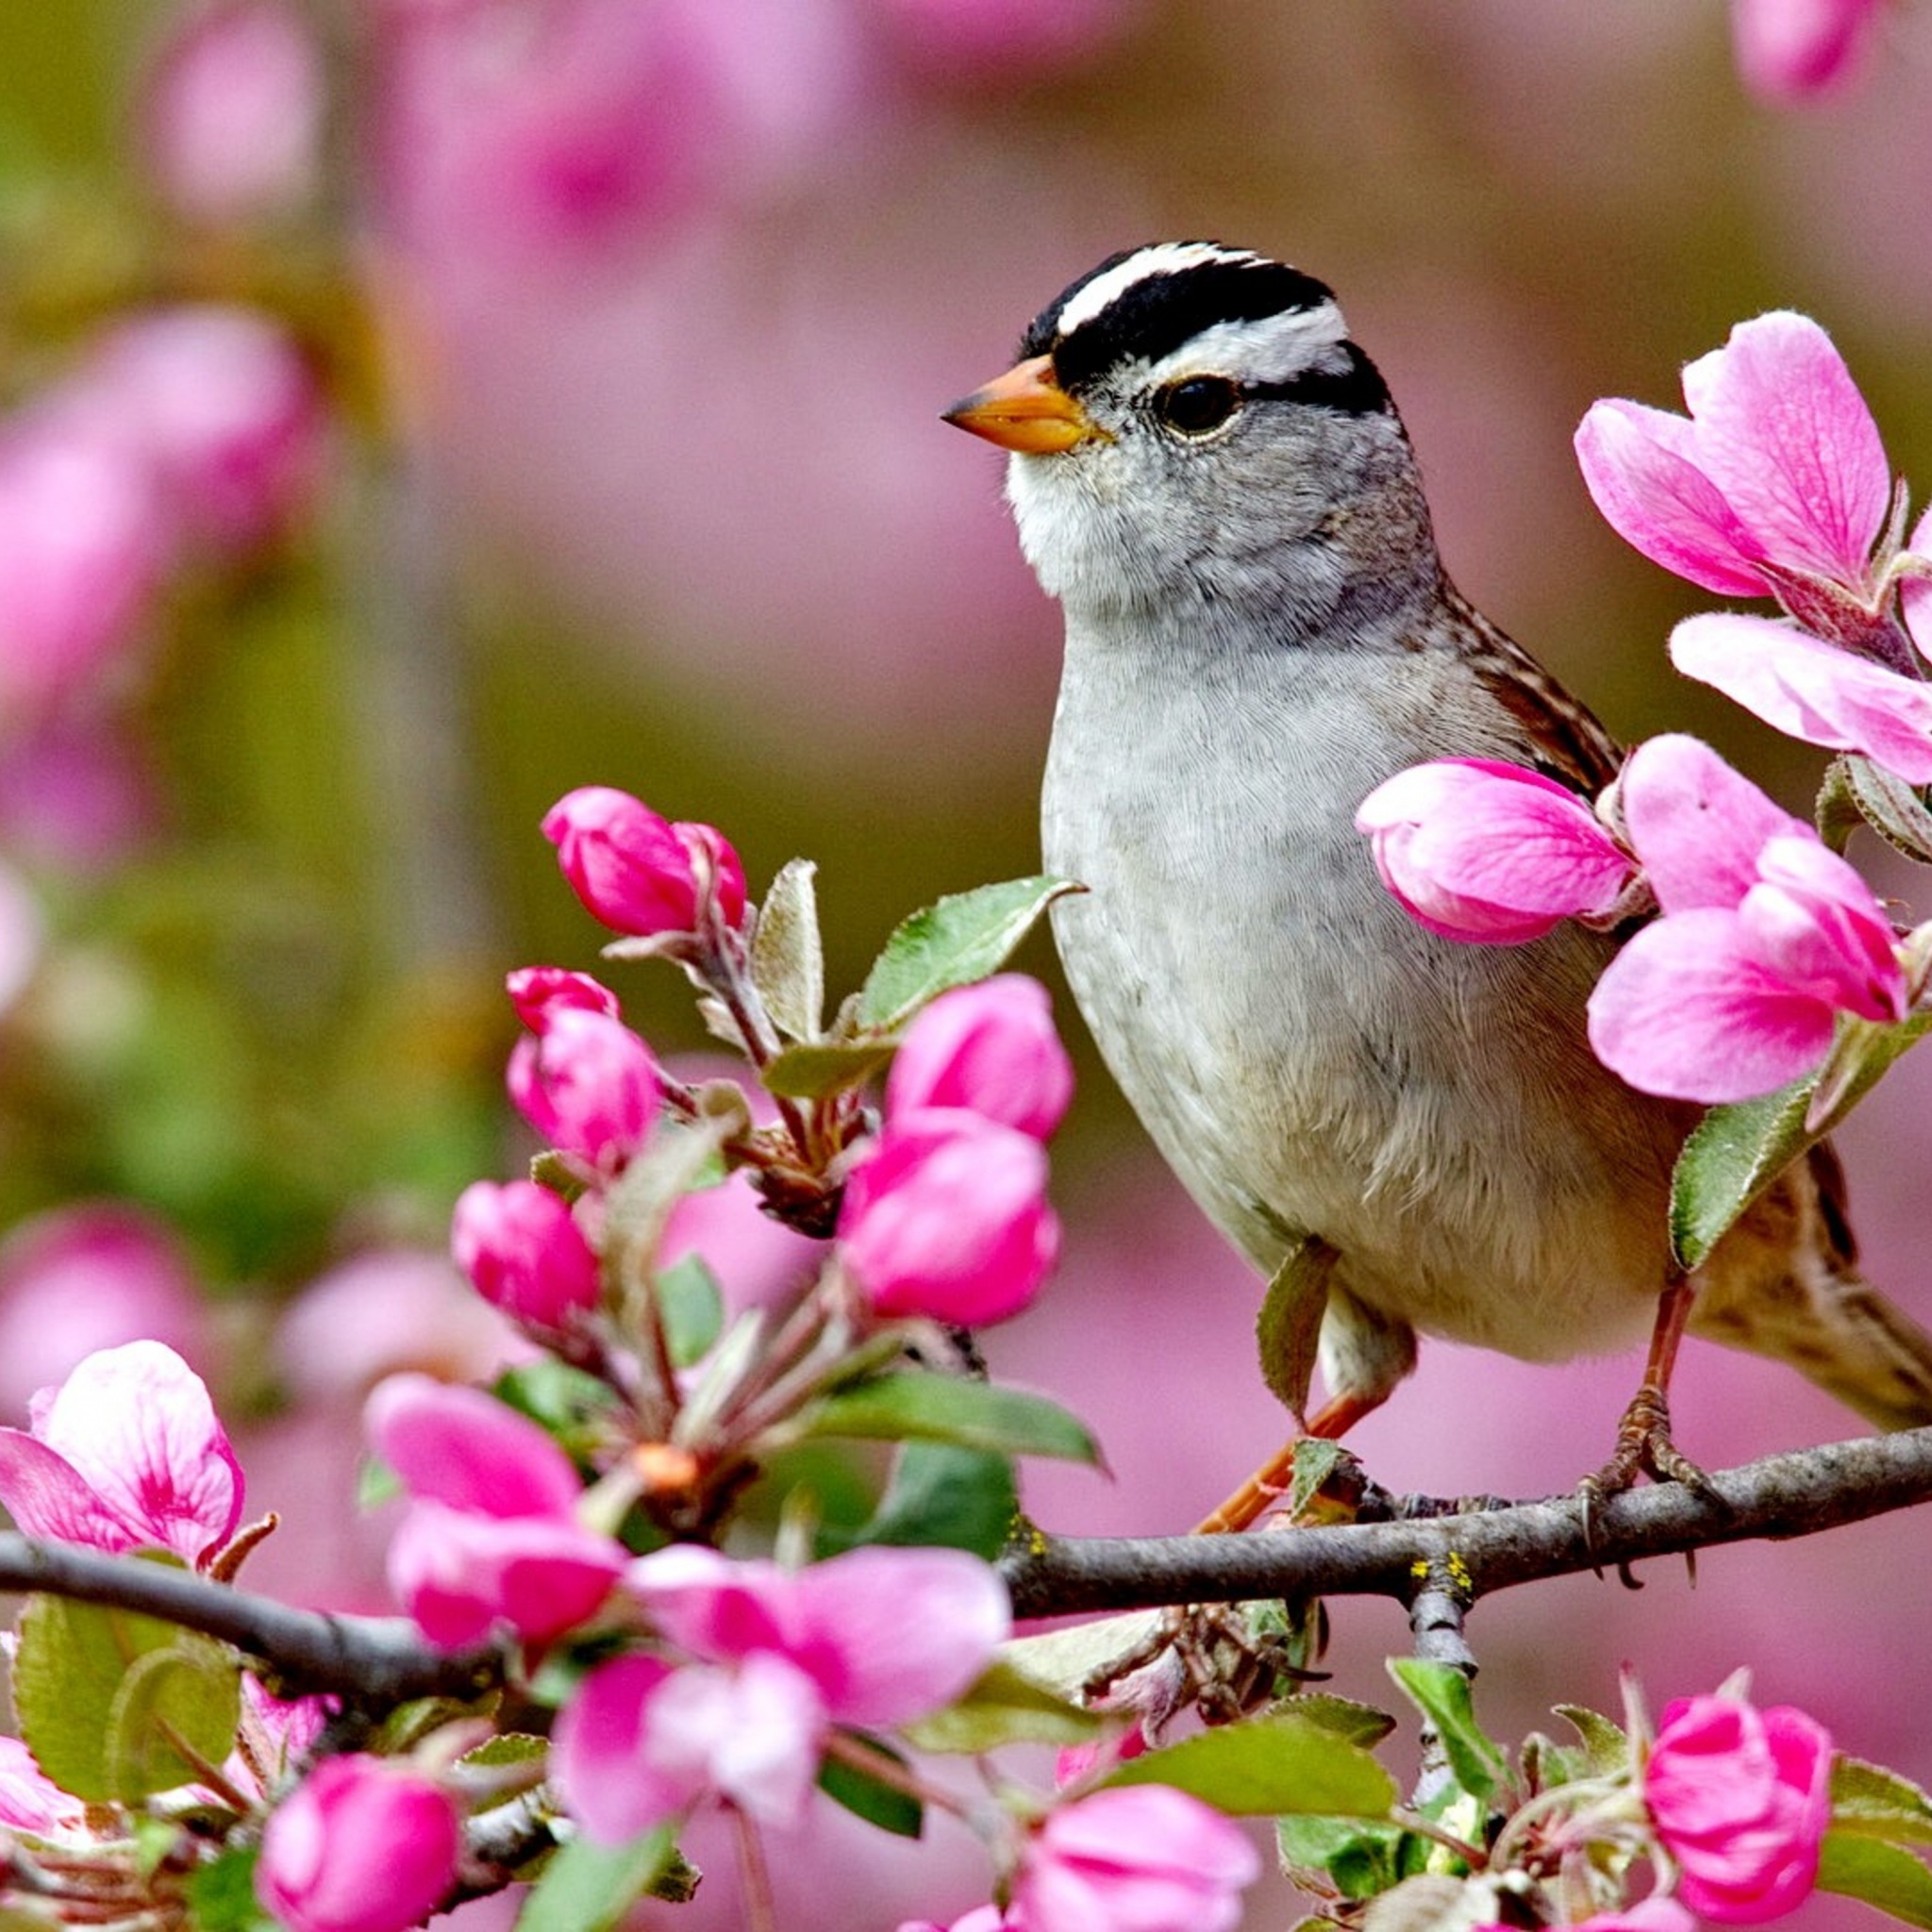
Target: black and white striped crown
1178,307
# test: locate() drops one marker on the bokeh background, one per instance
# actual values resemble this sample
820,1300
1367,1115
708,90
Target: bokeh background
539,392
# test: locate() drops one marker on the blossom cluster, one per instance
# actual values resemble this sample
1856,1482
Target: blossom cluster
1774,484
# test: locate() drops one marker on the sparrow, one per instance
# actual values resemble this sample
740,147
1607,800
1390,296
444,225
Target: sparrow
1211,478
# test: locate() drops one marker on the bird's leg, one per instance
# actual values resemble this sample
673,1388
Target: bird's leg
1644,1436
1273,1480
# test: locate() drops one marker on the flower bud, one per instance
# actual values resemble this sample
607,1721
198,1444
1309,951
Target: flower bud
947,1218
638,872
587,1083
1740,1798
362,1845
534,989
991,1049
524,1252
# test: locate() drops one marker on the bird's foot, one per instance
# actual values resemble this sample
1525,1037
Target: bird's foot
1644,1447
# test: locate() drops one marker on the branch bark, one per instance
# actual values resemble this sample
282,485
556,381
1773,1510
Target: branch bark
1783,1497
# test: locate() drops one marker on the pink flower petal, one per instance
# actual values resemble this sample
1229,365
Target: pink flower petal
713,1607
1642,470
464,1448
1687,1010
1697,825
1793,51
597,1756
892,1634
1811,690
47,1497
756,1730
1915,593
138,1428
1814,922
1785,435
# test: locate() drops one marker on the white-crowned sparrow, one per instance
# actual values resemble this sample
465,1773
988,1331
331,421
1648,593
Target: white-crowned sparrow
1212,480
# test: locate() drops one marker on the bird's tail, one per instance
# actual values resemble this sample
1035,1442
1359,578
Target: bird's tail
1785,1282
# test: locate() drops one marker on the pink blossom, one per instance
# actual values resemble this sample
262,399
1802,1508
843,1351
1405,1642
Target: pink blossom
85,1277
1811,690
638,872
980,1918
872,1637
362,1845
77,794
1779,463
947,1218
991,1049
82,548
30,1801
491,1536
587,1083
1485,851
1766,937
534,989
232,113
1792,51
222,407
1740,1798
22,935
524,1252
1134,1859
127,1454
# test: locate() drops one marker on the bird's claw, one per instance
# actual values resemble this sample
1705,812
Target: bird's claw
1644,1447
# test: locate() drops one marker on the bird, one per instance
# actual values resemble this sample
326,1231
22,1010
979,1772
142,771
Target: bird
1211,478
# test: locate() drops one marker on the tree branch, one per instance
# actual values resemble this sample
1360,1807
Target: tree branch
1783,1497
377,1661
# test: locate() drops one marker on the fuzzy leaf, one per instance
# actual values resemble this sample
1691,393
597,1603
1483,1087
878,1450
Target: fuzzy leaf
1064,1661
1738,1151
787,956
962,1499
589,1887
1004,1706
693,1308
1441,1692
1882,1874
823,1068
1361,1723
1270,1767
97,1690
1876,1802
872,1798
1888,804
1605,1749
221,1894
914,1404
960,939
1290,1324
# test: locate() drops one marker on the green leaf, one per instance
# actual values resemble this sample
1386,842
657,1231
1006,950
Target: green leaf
1605,1749
589,1887
557,1398
1004,1706
1065,1661
1886,801
1316,1458
787,957
1441,1692
221,1894
872,1798
97,1690
507,1748
1360,1859
1876,1802
819,1071
1361,1723
962,939
916,1405
961,1499
1290,1324
693,1306
1738,1151
1270,1767
1879,1873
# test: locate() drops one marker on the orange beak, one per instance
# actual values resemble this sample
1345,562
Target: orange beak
1025,410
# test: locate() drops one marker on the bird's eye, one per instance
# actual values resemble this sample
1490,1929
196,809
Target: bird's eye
1197,406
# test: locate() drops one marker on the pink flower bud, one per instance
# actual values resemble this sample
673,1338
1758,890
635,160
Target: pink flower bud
1490,853
991,1049
361,1845
1740,1798
587,1083
522,1248
1793,51
1144,1856
947,1218
534,989
233,113
638,872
